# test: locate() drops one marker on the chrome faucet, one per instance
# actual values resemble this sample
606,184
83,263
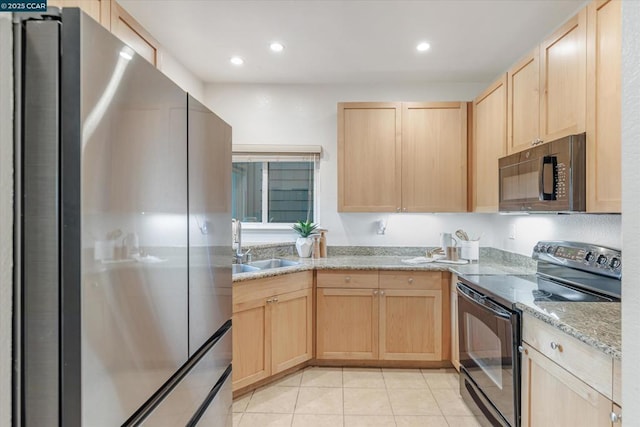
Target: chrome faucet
239,256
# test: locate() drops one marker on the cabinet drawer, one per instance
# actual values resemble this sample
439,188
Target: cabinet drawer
423,280
590,365
251,290
348,279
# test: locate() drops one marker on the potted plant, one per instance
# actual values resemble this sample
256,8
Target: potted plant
304,243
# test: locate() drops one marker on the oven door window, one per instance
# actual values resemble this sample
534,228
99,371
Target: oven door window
484,347
486,352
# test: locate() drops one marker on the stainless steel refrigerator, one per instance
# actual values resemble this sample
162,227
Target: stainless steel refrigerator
123,237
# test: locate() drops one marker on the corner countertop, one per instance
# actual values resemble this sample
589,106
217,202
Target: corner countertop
374,262
597,324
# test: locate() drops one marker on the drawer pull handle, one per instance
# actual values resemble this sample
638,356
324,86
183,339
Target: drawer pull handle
375,292
347,278
556,346
410,280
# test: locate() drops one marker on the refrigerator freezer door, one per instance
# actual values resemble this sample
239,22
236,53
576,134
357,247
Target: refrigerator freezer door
189,395
209,224
124,172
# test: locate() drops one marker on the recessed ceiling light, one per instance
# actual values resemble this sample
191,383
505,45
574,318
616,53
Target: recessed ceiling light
276,47
423,47
236,60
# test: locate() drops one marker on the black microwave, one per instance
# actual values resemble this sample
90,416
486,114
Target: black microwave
549,177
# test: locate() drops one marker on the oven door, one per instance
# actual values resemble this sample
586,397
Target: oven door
487,335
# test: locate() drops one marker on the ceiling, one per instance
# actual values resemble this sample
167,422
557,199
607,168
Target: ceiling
350,41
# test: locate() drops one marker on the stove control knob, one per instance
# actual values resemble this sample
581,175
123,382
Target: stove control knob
551,250
589,257
615,263
542,249
602,260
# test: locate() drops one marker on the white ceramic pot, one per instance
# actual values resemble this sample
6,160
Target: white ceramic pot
304,246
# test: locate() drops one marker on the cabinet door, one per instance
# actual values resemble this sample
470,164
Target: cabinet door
369,157
251,343
523,103
125,27
291,329
100,10
563,69
347,324
488,145
434,157
410,325
604,78
552,396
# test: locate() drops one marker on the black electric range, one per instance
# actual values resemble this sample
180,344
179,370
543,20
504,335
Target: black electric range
490,323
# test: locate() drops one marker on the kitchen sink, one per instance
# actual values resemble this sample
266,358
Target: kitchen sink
273,263
242,268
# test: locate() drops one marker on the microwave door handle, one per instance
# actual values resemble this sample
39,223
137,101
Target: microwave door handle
552,162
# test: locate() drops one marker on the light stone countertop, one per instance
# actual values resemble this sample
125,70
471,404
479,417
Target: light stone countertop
373,262
596,324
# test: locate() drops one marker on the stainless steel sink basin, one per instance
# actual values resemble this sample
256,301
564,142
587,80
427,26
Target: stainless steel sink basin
242,268
273,263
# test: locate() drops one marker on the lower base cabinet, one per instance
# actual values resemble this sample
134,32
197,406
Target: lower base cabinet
272,326
565,382
551,396
379,316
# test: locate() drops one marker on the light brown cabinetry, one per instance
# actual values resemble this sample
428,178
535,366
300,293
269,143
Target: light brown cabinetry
272,326
551,396
100,10
489,143
523,107
572,381
410,316
402,157
455,344
369,156
125,27
604,102
563,79
434,157
547,88
383,316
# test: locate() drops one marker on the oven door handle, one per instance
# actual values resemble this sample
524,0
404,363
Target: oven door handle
477,298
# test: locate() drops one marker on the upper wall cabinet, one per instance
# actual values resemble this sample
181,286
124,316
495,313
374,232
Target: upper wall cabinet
369,156
131,32
523,114
547,88
489,143
100,10
604,57
402,157
434,157
563,69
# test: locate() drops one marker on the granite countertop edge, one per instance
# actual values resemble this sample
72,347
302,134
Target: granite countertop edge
608,342
369,263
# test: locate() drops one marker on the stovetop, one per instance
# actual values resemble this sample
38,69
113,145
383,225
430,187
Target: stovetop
509,290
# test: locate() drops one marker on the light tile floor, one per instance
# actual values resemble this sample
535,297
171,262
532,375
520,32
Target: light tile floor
357,397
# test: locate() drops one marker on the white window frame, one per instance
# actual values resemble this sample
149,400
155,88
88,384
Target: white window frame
240,155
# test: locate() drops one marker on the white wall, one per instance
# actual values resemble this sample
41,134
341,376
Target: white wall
307,114
181,76
631,210
6,215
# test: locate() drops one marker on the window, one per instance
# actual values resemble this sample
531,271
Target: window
274,189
